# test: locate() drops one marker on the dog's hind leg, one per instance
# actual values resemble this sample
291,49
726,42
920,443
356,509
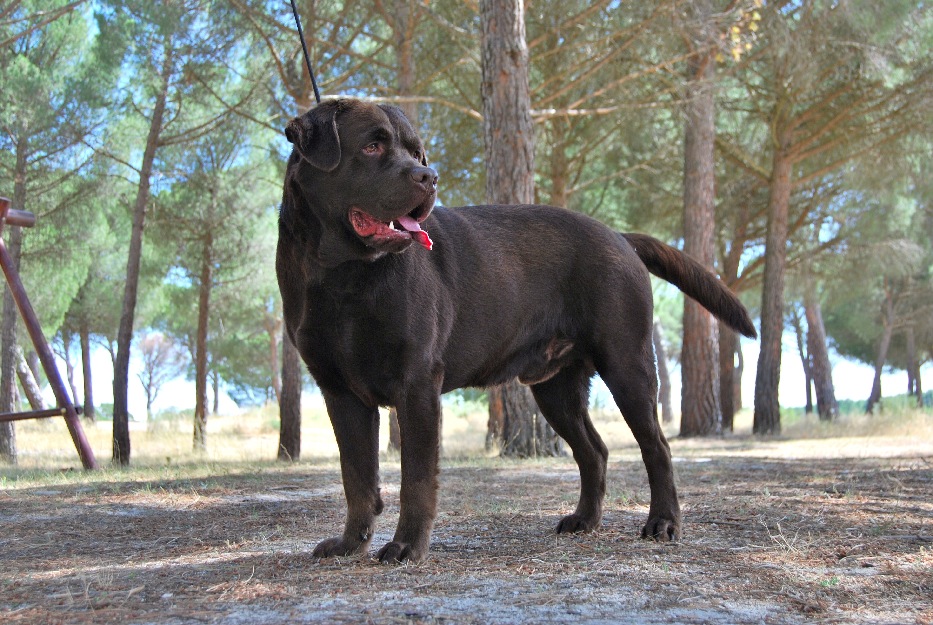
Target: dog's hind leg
632,379
356,427
563,400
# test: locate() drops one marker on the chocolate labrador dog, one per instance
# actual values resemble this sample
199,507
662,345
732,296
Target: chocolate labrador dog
392,302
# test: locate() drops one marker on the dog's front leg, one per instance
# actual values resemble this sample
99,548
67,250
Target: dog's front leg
356,427
419,418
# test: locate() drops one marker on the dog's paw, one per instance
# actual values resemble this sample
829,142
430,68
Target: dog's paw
338,547
661,529
574,523
397,552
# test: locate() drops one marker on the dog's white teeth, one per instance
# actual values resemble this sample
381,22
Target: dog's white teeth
392,225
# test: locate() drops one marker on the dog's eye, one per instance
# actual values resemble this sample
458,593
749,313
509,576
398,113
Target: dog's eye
416,154
373,148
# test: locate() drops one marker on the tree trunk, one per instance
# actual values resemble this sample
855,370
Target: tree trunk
913,371
206,283
820,367
728,340
32,359
737,376
509,149
14,243
28,381
69,367
8,345
525,433
289,396
919,390
701,413
804,360
730,347
559,163
507,125
273,326
767,419
395,432
664,375
914,366
215,385
404,19
883,345
290,403
121,373
85,336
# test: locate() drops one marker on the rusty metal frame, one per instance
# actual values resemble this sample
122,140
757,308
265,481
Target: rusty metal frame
66,407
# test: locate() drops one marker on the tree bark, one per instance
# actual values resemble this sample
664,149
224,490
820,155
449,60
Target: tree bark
507,125
121,373
395,432
403,19
915,365
28,381
664,375
730,347
215,385
69,367
14,243
701,412
820,368
804,360
525,433
767,419
509,149
290,403
205,286
918,390
728,341
737,376
883,344
559,163
85,336
8,360
289,396
913,370
273,327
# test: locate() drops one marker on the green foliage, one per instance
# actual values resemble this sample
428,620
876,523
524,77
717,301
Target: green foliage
104,412
48,108
76,96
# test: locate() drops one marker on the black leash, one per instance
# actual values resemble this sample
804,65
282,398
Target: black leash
304,46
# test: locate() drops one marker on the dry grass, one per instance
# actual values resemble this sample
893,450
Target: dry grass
833,527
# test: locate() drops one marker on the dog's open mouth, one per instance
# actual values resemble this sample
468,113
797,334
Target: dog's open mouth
400,229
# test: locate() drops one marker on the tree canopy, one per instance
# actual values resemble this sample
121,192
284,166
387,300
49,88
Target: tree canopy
117,111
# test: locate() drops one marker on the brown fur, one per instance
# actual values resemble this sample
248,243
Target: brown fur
540,293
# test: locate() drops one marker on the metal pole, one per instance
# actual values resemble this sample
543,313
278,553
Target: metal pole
34,414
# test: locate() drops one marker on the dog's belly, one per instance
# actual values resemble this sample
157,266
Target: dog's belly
535,360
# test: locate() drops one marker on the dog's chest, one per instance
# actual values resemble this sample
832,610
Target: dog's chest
356,345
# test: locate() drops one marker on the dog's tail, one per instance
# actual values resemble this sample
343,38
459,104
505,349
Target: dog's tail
669,263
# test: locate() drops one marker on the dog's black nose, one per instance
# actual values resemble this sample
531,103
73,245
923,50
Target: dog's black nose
424,176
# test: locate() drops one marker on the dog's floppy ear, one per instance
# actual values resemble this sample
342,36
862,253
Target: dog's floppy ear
314,135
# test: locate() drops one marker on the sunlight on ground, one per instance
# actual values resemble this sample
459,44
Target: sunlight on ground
253,437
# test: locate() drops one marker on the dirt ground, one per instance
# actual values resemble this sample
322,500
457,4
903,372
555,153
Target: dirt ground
780,539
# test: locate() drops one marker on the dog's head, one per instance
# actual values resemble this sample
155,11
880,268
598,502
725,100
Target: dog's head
362,170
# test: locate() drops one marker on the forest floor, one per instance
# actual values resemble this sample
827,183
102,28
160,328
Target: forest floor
833,527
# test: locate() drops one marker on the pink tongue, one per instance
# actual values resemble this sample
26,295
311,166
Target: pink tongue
417,233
